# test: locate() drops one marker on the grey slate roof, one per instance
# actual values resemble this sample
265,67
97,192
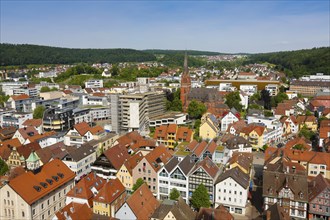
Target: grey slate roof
187,164
236,174
171,164
233,143
78,153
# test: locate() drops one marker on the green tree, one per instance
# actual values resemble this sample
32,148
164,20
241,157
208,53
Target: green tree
39,111
200,197
3,99
196,127
174,194
255,97
298,147
281,97
265,96
138,183
196,109
233,101
3,167
114,70
45,89
305,132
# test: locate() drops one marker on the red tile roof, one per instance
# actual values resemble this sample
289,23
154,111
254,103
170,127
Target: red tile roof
131,163
20,97
325,129
143,203
28,184
117,155
83,189
33,122
75,211
27,132
160,153
110,191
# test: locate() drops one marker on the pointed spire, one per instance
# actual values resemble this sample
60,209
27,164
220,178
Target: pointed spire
185,65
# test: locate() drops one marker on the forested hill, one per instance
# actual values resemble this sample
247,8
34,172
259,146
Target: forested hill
189,52
297,63
23,54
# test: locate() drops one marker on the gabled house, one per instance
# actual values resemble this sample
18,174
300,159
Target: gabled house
299,143
110,198
125,173
79,159
318,197
37,195
237,144
209,128
228,119
20,154
22,103
242,161
74,211
290,125
108,164
171,209
24,133
85,190
231,190
7,146
140,205
324,132
148,167
171,135
7,133
82,133
255,135
205,172
220,213
309,121
285,182
236,127
36,123
174,174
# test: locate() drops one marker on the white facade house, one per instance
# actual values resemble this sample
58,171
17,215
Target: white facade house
174,175
244,99
249,89
232,189
228,119
95,100
14,119
273,89
273,125
80,159
82,133
94,83
228,87
32,92
171,118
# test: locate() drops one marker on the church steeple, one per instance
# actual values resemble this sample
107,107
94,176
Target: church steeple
185,84
185,64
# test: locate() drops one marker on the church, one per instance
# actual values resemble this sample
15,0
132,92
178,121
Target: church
212,98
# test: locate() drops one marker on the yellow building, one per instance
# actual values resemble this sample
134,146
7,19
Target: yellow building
110,198
125,173
255,135
209,128
171,135
309,121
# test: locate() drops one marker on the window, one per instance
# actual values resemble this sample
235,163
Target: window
313,206
235,192
224,190
4,201
34,212
43,217
42,206
48,202
8,195
240,193
12,202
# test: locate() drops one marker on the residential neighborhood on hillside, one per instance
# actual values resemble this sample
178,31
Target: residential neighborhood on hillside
189,143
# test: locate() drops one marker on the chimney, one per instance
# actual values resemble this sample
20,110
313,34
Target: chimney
268,215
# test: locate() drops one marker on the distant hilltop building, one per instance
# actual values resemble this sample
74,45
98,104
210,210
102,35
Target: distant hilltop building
317,77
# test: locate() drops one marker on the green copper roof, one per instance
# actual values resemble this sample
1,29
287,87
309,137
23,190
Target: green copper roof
33,157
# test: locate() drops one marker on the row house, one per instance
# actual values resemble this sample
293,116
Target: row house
125,173
324,132
172,135
148,167
79,159
228,119
37,195
286,183
140,205
236,144
24,133
19,155
201,150
319,198
14,119
110,161
6,147
82,133
85,190
22,103
35,123
174,174
242,161
74,211
204,172
236,127
209,128
290,125
231,190
109,199
310,122
273,125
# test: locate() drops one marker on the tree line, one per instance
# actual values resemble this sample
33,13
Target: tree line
297,63
24,54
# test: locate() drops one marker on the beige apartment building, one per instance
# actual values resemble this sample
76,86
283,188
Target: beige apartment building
36,194
308,88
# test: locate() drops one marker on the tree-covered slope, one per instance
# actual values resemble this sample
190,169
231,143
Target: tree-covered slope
23,54
190,52
297,63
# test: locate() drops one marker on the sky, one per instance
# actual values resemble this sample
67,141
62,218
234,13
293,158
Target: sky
229,26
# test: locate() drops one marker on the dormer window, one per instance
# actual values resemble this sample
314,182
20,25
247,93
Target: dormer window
49,181
43,184
60,175
37,188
